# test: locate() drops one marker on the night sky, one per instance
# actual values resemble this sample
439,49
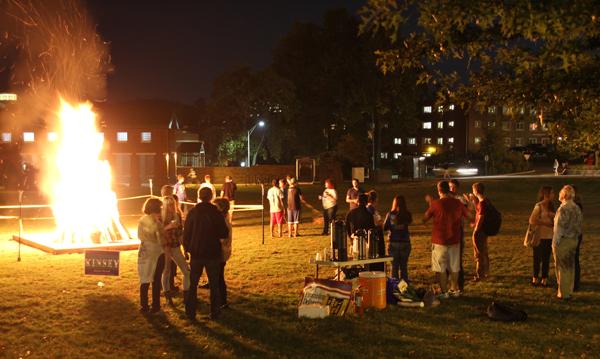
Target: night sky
174,49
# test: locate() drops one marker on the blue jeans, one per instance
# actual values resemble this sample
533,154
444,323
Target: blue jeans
400,251
213,269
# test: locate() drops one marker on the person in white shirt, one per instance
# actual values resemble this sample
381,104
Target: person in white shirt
329,199
275,198
208,184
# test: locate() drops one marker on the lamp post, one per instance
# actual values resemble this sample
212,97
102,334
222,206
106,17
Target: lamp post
260,123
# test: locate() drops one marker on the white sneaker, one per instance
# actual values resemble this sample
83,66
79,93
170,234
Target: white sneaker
454,293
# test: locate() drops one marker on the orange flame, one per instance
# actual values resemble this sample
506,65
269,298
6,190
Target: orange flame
79,181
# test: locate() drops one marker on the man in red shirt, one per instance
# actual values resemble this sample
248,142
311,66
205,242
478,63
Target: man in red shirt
480,238
447,213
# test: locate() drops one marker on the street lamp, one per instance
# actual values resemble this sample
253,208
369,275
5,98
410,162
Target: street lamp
260,123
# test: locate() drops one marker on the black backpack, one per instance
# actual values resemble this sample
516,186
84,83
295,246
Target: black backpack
504,313
492,220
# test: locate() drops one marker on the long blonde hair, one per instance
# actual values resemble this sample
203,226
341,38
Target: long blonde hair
170,210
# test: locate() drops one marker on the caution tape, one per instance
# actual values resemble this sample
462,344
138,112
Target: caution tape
26,206
237,207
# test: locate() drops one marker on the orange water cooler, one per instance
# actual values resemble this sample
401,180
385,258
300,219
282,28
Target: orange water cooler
373,289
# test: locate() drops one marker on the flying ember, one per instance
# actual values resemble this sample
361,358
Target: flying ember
78,181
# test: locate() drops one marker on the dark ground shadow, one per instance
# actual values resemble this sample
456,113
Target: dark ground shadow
105,310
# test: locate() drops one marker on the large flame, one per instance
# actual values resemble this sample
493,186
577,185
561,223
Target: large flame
79,181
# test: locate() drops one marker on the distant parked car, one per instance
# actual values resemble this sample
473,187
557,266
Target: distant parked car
452,169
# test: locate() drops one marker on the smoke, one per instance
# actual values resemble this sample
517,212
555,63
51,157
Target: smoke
51,48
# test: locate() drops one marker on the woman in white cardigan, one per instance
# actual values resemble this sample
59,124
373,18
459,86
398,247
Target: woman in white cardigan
151,258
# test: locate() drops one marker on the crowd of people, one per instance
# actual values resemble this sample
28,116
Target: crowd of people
559,232
201,238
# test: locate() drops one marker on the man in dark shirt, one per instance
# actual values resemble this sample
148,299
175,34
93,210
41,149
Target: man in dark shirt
352,194
204,227
294,207
228,191
360,217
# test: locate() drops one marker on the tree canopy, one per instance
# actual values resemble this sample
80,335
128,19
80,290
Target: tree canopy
322,86
533,55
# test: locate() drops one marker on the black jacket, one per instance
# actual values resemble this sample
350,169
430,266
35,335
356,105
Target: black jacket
359,218
204,228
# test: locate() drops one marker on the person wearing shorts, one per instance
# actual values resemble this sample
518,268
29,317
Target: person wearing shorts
294,207
275,198
447,213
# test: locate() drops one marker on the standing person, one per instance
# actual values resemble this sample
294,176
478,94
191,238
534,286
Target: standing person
447,214
228,192
464,199
208,184
294,207
378,229
226,246
576,284
203,230
480,238
283,185
555,166
567,227
329,200
542,216
151,258
172,219
396,222
276,208
179,190
359,217
352,194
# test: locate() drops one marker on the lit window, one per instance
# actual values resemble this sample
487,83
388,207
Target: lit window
450,139
440,141
477,140
506,125
427,109
384,155
544,127
28,137
522,110
52,136
533,126
518,141
6,137
533,140
477,124
506,110
450,123
520,126
440,108
427,125
397,141
426,140
121,136
397,155
545,140
412,141
146,137
440,124
451,107
491,123
507,141
492,109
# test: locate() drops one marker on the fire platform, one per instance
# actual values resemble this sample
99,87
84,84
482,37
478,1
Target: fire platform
48,246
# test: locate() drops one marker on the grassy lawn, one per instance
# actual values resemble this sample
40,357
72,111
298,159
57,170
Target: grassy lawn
49,309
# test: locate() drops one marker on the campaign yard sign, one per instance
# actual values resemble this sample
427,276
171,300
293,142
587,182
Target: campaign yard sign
102,263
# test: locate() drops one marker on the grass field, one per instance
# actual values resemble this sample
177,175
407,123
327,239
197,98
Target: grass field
49,309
